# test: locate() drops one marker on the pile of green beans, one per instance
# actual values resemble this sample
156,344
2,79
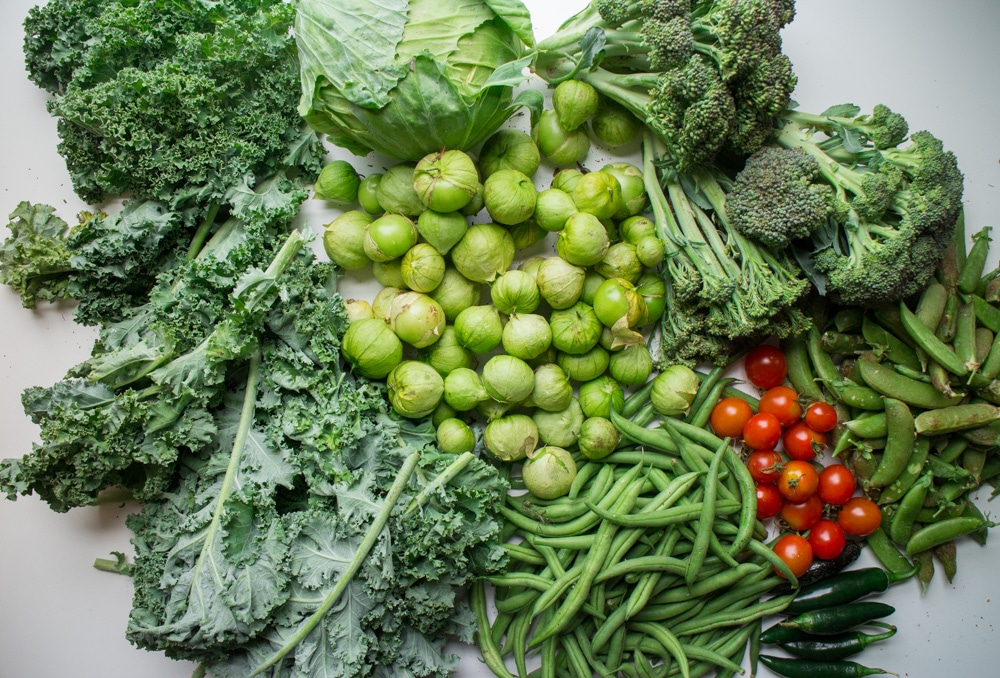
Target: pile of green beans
918,394
652,565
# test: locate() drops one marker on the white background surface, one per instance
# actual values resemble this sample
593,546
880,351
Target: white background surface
933,61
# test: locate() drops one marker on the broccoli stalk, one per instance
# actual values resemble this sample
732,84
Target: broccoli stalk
869,220
705,75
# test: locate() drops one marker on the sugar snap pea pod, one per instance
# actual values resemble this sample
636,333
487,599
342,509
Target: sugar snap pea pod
946,328
888,317
989,287
887,345
840,343
890,383
826,370
947,555
990,367
940,378
937,533
934,347
897,488
848,319
835,648
869,425
956,418
886,552
984,342
901,525
804,668
987,314
973,461
983,436
932,514
947,471
970,510
965,337
899,443
839,618
975,261
845,587
855,396
930,306
800,371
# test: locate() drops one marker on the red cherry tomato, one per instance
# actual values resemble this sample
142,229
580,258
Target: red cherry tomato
827,539
836,484
782,402
821,417
768,501
798,481
801,442
729,416
860,516
765,366
762,431
765,465
803,515
795,551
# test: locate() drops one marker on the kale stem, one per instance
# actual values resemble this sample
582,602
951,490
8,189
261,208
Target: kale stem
198,241
371,536
445,477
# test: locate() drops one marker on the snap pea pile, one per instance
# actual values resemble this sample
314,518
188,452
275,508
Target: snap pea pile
917,389
653,564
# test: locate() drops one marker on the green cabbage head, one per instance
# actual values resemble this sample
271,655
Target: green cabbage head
406,77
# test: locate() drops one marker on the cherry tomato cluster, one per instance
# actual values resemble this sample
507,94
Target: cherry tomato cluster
797,490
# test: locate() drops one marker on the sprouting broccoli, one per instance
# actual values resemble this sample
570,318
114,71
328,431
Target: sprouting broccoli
705,75
722,288
880,215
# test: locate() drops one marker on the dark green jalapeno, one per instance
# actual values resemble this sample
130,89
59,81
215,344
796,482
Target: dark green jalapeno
803,668
839,618
834,648
845,587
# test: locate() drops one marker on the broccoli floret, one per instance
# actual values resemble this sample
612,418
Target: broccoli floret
706,75
775,198
894,209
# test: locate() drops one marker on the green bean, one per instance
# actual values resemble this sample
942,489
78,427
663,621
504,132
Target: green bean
901,525
588,652
739,618
577,542
800,371
702,415
584,474
705,387
637,399
657,439
577,661
956,418
668,640
711,656
895,490
887,345
520,580
890,383
937,533
484,639
870,425
930,307
711,584
707,517
648,458
764,551
517,638
975,261
987,314
523,554
899,443
665,517
934,347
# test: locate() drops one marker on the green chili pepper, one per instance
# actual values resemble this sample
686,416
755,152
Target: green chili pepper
839,618
834,648
803,668
843,588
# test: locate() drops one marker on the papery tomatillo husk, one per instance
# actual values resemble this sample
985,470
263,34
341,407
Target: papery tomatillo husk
463,389
620,261
574,102
422,268
552,391
653,291
650,252
598,193
455,437
508,379
344,240
559,282
634,229
445,181
442,229
389,273
530,266
598,438
484,252
526,336
526,234
561,427
614,125
674,390
395,192
557,145
382,303
479,329
475,205
591,282
549,472
358,309
389,237
372,348
552,208
618,299
566,179
598,397
632,365
491,409
368,194
415,388
576,329
583,241
633,188
338,183
515,292
446,355
442,413
511,437
416,319
510,196
456,293
585,366
509,149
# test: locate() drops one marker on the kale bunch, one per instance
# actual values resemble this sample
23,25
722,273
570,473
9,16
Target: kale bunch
171,101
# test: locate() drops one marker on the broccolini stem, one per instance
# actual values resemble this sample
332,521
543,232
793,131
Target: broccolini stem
840,176
371,536
629,90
